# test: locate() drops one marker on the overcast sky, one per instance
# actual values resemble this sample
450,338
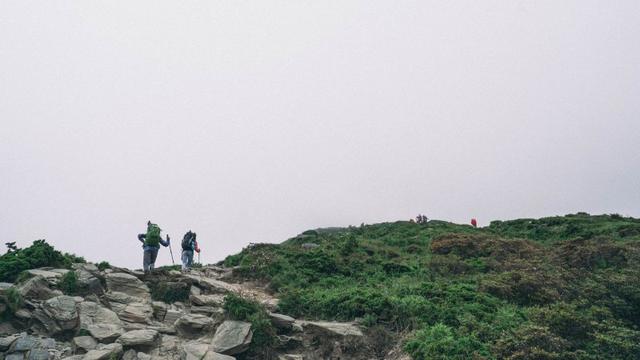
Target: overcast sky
251,121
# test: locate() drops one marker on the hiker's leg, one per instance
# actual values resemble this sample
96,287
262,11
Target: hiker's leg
154,256
146,261
189,259
185,260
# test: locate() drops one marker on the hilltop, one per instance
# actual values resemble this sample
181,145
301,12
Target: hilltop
565,287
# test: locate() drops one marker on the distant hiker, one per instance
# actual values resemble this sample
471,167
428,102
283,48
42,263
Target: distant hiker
151,242
474,223
421,219
189,245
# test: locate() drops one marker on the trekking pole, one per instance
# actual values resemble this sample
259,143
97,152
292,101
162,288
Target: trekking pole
171,252
199,259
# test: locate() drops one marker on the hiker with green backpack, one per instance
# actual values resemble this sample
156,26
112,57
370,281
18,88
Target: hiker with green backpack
151,242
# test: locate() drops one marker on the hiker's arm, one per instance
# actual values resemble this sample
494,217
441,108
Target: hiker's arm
197,247
141,237
165,243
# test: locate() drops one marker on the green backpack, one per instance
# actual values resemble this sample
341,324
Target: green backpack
153,235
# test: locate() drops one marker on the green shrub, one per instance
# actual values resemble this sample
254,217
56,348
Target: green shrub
39,254
103,265
14,300
440,342
169,292
69,283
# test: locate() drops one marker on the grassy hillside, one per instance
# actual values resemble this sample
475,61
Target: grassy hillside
552,288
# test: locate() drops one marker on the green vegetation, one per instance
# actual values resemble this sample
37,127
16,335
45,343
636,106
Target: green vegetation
169,291
264,334
12,301
40,254
69,283
103,265
565,287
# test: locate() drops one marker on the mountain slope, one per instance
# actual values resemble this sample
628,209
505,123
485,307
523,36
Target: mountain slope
557,287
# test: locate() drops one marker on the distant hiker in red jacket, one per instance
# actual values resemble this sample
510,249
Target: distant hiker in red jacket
189,245
474,223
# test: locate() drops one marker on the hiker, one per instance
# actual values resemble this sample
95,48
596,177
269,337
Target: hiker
474,223
189,245
151,242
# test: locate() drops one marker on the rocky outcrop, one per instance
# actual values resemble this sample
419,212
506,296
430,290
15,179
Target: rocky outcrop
194,325
37,288
102,323
127,284
232,337
139,338
116,319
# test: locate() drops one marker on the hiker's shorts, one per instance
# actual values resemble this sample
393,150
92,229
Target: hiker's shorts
149,260
187,259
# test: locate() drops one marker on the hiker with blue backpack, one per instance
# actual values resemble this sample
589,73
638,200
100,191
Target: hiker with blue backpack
189,245
151,242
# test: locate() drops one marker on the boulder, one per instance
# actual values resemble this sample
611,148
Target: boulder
207,300
83,344
281,321
88,283
28,342
232,337
130,308
52,277
193,325
139,338
63,310
214,286
136,313
130,355
127,284
15,356
37,288
6,342
171,316
143,356
159,310
105,352
200,351
102,323
39,354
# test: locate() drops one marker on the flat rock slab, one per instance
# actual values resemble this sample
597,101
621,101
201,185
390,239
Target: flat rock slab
334,328
128,284
102,323
232,337
193,325
207,300
281,321
139,338
29,342
6,342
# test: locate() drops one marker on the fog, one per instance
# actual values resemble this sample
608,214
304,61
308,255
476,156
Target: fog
252,121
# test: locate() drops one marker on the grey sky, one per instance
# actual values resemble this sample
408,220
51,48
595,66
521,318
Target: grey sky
253,121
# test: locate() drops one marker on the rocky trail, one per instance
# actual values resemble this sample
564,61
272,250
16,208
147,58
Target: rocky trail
114,317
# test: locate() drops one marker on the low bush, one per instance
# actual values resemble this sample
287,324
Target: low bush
69,283
440,342
39,254
264,334
169,291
